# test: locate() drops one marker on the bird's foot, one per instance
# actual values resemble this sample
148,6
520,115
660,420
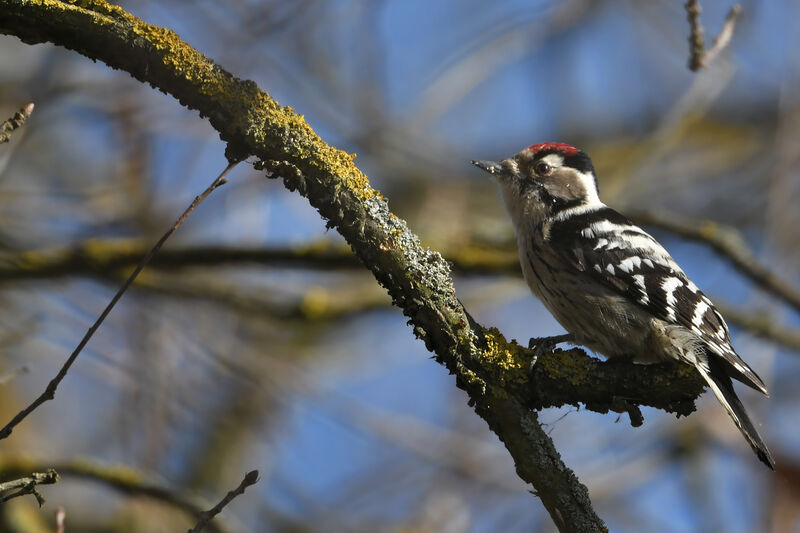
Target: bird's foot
541,345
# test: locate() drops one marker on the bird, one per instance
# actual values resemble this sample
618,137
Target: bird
610,284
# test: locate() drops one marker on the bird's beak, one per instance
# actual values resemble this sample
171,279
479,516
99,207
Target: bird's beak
492,167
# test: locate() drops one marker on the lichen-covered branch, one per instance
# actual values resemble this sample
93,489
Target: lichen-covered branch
417,279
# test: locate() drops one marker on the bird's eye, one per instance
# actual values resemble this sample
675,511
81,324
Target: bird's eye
542,168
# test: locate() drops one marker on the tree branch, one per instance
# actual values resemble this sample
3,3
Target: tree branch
699,57
251,478
106,258
15,122
27,485
103,257
50,391
123,479
418,279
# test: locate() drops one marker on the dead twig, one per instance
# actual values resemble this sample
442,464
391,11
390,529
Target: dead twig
699,57
50,391
27,485
251,478
125,480
15,122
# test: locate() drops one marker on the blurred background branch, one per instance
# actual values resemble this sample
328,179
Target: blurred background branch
728,243
126,480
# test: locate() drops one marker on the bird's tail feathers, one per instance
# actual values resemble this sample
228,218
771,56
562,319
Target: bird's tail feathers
722,386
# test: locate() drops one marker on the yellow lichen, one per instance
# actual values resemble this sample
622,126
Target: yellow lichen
502,353
564,366
471,377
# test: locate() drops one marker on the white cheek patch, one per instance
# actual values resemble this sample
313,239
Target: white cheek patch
585,180
589,184
554,160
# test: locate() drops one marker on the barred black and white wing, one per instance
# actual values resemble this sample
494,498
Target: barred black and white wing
610,249
621,256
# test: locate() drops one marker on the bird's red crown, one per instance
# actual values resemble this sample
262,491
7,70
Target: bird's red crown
563,148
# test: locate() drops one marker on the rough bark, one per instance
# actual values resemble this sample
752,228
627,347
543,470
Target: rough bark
492,371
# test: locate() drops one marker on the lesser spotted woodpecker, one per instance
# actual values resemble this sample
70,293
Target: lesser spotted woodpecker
612,286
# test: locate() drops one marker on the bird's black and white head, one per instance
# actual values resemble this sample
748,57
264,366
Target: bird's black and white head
543,180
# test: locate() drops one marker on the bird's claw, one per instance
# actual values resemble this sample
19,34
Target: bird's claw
542,345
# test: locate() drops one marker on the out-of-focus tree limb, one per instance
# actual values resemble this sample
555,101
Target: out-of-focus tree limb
52,386
120,478
761,325
105,259
568,377
728,243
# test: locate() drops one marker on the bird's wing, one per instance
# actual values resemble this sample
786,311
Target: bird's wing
623,257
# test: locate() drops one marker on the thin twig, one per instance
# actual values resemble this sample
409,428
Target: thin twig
251,478
699,57
27,485
725,34
697,44
50,391
125,480
728,243
16,121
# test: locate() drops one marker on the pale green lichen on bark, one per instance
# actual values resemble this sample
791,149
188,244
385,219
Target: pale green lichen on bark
252,123
566,366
